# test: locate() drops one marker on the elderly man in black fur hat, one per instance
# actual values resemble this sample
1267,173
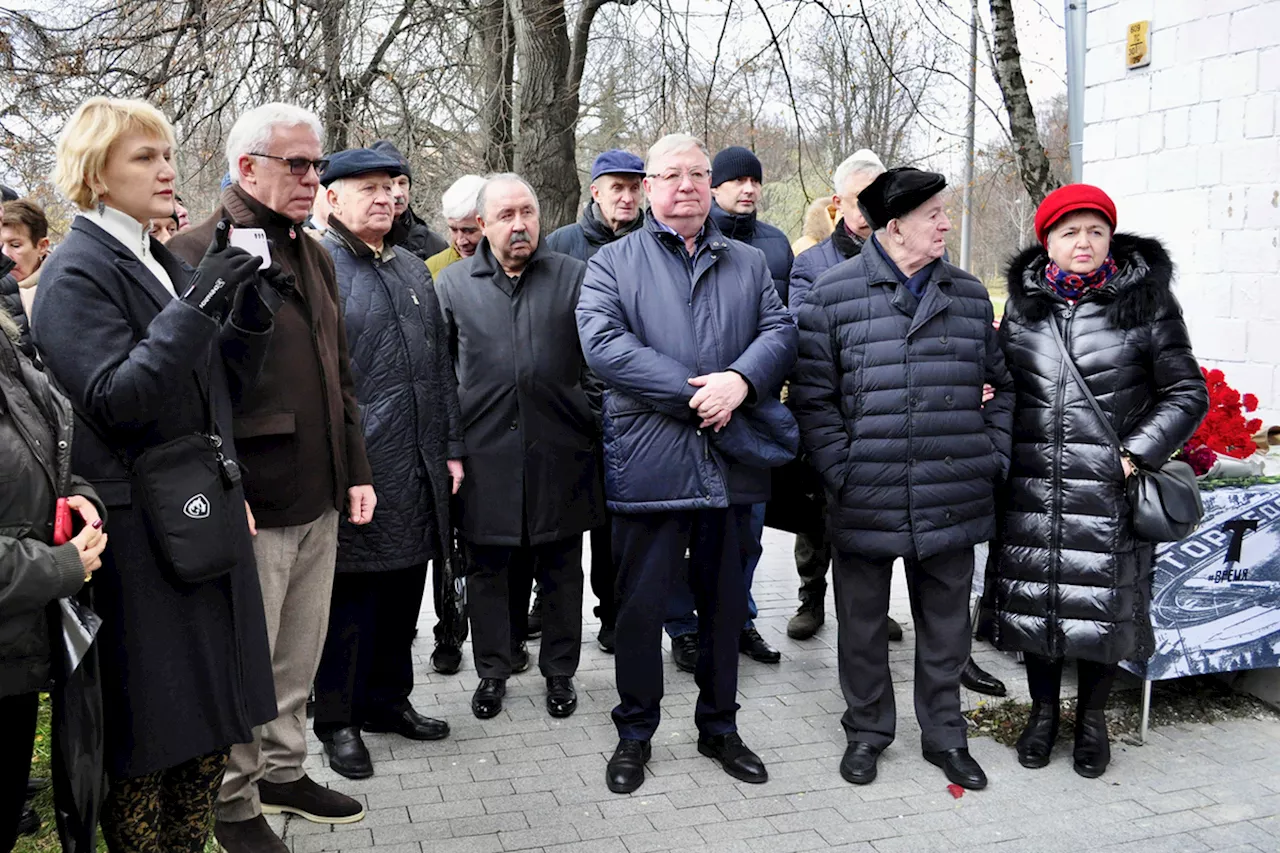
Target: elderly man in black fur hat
895,346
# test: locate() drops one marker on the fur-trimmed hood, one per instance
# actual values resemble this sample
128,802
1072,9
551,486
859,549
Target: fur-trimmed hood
1141,291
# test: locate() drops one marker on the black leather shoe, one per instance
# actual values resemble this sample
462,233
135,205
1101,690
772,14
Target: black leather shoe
519,659
446,660
486,702
36,784
410,724
895,631
751,644
734,756
1036,741
535,617
562,699
977,679
607,638
1093,750
960,767
625,771
348,756
29,823
684,651
859,763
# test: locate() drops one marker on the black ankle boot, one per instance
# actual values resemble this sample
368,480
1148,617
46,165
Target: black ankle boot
1093,749
1037,739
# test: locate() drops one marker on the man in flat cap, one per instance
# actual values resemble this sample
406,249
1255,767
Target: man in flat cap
895,346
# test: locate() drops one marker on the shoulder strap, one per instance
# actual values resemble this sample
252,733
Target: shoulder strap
1070,364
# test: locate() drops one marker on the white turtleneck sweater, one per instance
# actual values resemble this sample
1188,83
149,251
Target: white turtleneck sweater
133,236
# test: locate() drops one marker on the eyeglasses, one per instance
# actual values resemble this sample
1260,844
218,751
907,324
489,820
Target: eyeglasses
298,165
673,178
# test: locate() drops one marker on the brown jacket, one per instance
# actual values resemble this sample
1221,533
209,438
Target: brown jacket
298,430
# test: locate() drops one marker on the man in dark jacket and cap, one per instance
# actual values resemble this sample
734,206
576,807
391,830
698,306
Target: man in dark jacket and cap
895,348
418,239
533,485
686,331
408,393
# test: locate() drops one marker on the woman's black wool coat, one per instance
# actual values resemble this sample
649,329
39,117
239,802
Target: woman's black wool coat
1071,578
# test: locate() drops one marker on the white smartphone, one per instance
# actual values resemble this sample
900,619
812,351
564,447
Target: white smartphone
253,241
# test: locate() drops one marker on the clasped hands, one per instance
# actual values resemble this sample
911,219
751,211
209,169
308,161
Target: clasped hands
717,396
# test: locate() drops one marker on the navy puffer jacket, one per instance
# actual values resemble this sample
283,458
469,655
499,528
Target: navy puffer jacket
408,396
651,318
814,261
888,393
746,228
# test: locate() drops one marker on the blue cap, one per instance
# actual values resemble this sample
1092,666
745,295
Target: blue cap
617,162
226,181
361,161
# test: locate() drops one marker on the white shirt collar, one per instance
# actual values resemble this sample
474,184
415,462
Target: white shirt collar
129,231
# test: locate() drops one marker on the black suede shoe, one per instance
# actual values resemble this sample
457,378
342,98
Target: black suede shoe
535,617
1093,750
977,679
519,659
751,644
562,699
348,756
446,660
960,767
309,801
684,651
410,724
607,638
248,836
1036,741
895,631
486,702
734,756
859,763
29,823
625,771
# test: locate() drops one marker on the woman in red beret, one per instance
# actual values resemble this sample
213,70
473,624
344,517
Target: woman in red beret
1071,579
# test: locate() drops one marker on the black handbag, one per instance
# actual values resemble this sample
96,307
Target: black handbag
1165,503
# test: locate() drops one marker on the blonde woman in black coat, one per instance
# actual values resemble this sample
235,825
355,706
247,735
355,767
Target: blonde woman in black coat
1072,580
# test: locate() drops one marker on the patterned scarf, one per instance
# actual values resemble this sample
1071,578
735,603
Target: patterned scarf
1071,286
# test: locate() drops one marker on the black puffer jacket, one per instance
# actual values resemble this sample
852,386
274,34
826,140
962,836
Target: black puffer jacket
888,393
408,397
1070,577
768,239
11,301
417,238
582,239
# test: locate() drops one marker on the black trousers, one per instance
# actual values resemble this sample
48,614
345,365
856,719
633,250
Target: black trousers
813,557
19,715
604,573
498,604
1093,681
366,668
939,591
649,552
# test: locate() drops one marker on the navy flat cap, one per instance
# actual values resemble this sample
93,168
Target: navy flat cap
617,162
897,192
361,161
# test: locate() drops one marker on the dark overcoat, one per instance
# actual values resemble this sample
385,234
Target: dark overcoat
186,668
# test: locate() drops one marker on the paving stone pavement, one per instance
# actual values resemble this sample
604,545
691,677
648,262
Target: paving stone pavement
526,782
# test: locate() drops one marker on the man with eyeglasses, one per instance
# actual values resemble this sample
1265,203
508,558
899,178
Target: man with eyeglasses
687,333
302,451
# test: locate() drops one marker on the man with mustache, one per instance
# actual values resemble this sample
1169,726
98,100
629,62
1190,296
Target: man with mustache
532,485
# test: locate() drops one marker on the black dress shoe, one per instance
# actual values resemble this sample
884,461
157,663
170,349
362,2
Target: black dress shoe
734,756
895,631
562,699
348,756
1036,741
486,702
960,767
29,823
446,660
977,679
684,651
607,638
1093,750
625,771
410,724
751,644
859,763
519,659
36,784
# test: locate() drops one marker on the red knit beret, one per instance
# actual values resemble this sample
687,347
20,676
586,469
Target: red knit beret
1069,199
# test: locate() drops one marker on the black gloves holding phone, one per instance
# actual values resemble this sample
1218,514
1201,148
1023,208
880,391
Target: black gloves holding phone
258,299
228,279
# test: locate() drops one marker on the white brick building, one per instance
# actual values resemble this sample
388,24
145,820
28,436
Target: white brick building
1189,149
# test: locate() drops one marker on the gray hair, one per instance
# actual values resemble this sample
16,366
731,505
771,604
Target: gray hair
502,178
861,162
673,143
252,131
460,200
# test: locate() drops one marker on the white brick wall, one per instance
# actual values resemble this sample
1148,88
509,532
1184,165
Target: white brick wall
1189,149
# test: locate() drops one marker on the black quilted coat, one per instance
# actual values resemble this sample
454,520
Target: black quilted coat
1071,579
888,394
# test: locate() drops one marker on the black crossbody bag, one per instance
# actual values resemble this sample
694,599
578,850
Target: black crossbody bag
1165,503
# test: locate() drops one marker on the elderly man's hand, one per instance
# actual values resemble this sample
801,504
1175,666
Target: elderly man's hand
360,503
717,396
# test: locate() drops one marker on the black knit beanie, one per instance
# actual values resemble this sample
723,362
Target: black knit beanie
733,163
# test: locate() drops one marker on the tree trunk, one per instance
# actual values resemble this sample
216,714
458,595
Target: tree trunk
497,49
548,110
335,118
1033,162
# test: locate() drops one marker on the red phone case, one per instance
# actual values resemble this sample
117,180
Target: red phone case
62,523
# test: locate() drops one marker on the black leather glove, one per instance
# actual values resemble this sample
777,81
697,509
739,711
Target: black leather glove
258,299
222,269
